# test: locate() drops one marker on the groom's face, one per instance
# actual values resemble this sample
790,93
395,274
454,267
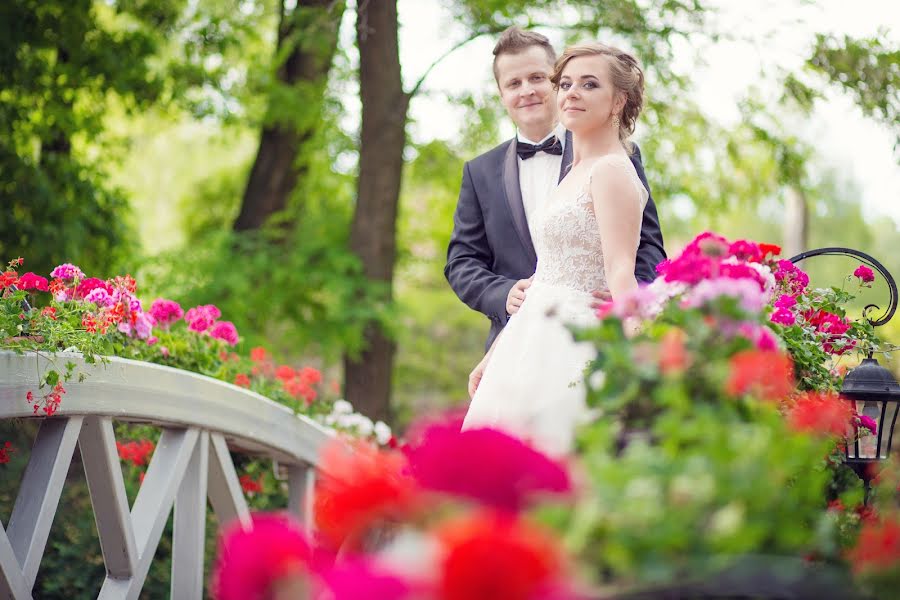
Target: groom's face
526,91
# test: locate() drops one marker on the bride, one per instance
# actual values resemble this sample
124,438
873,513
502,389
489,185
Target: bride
587,237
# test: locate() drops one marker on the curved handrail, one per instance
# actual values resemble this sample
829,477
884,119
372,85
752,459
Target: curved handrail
132,390
870,261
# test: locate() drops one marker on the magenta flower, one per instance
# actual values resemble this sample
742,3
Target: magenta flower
485,465
792,278
143,325
865,274
745,290
867,422
225,331
67,271
786,301
783,316
30,281
166,312
354,578
746,250
250,561
201,318
90,284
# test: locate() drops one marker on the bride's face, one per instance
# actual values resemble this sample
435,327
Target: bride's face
587,98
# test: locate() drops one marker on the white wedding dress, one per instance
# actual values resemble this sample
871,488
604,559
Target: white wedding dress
533,385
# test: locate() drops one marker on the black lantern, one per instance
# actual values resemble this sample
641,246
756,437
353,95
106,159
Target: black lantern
870,388
875,393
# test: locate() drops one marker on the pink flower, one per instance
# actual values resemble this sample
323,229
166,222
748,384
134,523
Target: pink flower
166,312
708,244
152,340
745,250
792,278
250,561
90,284
354,578
783,316
225,331
201,318
786,301
864,274
143,325
30,281
741,271
749,295
761,336
164,351
67,271
485,465
100,297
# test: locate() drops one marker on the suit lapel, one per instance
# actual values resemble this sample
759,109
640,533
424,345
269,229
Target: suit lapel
566,163
510,173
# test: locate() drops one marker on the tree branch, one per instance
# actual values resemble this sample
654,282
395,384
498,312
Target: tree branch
418,85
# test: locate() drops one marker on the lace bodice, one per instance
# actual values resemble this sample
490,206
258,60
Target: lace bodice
568,238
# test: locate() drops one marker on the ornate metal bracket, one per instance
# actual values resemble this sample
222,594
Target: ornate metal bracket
871,262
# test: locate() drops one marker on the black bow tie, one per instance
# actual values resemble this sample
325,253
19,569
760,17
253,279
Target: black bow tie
551,146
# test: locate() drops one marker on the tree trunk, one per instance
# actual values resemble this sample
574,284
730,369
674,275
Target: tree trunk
307,38
796,222
373,231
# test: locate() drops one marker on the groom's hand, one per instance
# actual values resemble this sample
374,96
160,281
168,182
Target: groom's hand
601,297
516,296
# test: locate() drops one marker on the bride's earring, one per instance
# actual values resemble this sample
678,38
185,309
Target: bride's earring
615,122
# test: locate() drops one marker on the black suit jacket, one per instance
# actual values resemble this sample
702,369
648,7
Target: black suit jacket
491,248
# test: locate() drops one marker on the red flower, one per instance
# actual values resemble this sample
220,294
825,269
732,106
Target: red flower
30,281
485,465
821,413
258,354
250,485
5,451
488,557
136,452
7,279
89,284
242,380
285,373
878,547
674,358
361,487
49,312
763,374
769,249
310,376
250,560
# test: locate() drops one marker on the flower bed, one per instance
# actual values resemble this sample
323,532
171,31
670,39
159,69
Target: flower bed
720,439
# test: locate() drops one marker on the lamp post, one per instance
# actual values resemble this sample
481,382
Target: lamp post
870,388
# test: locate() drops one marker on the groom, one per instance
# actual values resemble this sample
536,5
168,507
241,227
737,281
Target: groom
491,254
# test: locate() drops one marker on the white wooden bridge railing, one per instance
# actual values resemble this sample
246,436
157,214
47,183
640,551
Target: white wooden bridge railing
200,419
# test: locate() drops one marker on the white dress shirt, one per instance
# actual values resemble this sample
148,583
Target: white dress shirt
539,175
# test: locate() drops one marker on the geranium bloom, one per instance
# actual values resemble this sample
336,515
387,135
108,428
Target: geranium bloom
89,284
864,273
767,375
878,546
5,451
225,331
137,453
867,422
770,250
166,312
242,380
8,278
360,487
357,578
746,250
250,485
30,281
201,318
791,277
487,556
821,413
67,271
258,354
783,316
786,301
673,356
485,465
249,561
746,291
100,297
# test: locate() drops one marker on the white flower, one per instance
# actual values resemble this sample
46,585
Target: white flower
596,380
727,520
383,433
342,407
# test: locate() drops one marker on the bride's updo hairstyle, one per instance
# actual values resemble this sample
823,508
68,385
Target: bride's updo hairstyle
626,74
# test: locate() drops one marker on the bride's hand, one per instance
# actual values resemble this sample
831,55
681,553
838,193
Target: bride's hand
475,377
